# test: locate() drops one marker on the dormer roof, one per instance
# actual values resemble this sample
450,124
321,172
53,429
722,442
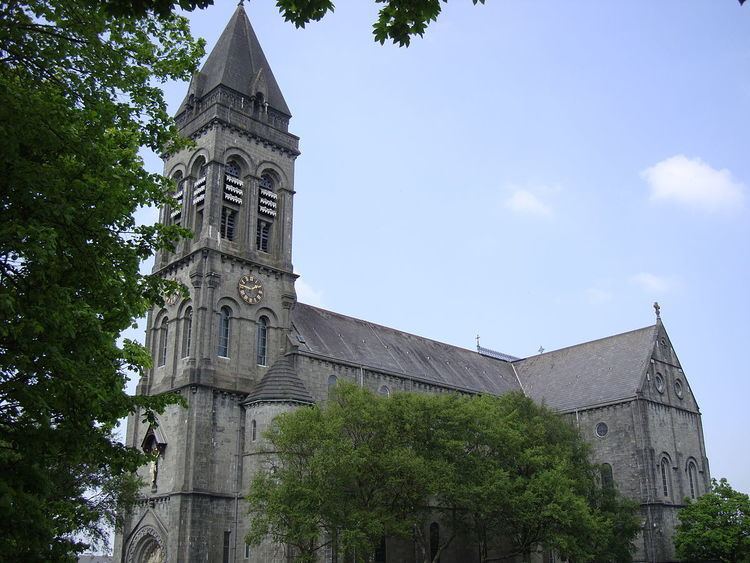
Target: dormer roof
280,384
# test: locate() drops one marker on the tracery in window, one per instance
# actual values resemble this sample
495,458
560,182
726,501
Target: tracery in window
608,481
262,342
384,391
225,316
693,479
602,429
381,555
678,388
664,469
263,235
434,540
228,219
187,335
332,380
233,169
163,341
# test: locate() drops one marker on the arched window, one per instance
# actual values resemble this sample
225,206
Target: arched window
262,342
606,475
664,469
434,540
381,555
384,391
332,380
267,203
253,430
227,225
175,213
163,341
187,334
225,316
693,478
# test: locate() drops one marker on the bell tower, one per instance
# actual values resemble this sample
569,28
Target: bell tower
235,188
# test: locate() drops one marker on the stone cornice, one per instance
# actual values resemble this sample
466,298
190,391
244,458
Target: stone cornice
175,265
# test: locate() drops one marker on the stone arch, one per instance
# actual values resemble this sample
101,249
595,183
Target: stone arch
273,170
273,321
178,168
200,158
147,546
241,157
664,476
693,481
228,301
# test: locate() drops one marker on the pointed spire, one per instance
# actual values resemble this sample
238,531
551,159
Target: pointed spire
237,62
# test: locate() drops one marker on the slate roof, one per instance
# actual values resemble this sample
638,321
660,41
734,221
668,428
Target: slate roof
237,61
594,373
338,337
280,383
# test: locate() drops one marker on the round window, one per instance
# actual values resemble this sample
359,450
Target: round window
659,381
678,388
601,429
384,391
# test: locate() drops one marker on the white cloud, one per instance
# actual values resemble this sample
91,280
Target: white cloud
597,296
652,283
526,203
306,293
694,183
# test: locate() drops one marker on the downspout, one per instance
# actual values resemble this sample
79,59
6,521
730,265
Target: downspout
238,476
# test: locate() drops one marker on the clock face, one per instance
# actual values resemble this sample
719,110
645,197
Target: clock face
171,299
250,288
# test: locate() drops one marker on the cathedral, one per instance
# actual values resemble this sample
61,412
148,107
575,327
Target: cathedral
241,349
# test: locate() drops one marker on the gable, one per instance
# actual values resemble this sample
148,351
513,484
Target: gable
664,381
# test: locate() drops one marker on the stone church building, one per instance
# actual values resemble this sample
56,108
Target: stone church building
242,349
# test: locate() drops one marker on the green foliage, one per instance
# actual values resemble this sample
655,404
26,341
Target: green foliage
365,466
78,98
398,20
715,527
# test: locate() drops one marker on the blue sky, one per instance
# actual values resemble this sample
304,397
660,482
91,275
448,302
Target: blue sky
537,173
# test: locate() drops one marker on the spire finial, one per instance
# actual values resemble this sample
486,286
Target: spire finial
477,343
241,3
658,310
541,350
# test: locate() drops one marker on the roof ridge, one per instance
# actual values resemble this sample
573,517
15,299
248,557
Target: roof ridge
612,336
395,330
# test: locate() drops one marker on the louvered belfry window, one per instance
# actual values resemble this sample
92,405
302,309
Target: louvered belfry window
267,207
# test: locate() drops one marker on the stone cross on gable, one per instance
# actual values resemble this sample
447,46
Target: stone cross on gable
657,308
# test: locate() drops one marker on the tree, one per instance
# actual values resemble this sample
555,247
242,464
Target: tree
501,472
342,474
715,527
78,98
398,20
